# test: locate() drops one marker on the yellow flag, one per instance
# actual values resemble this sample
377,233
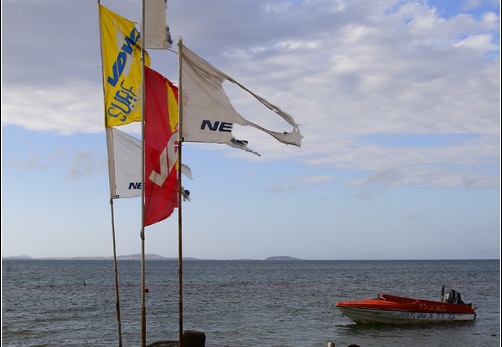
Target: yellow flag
121,57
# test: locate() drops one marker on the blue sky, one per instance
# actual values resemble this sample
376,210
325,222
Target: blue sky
398,103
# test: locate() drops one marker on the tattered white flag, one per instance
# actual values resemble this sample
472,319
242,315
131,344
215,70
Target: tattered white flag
208,115
157,34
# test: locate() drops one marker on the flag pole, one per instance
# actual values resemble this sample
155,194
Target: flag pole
109,141
117,303
111,170
180,191
142,233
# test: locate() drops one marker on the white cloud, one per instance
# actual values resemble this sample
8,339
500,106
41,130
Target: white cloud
343,70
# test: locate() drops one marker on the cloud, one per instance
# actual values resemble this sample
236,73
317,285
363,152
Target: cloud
281,189
35,161
342,70
38,161
86,164
317,179
66,109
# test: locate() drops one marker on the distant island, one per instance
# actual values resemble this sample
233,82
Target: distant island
119,257
130,257
282,257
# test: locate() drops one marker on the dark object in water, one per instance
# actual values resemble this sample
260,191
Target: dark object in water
191,338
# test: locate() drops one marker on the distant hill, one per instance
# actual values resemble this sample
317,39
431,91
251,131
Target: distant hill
282,257
127,257
18,257
147,256
120,257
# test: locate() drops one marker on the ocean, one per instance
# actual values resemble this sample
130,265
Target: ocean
235,303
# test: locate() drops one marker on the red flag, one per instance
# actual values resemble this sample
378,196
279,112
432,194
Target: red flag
161,141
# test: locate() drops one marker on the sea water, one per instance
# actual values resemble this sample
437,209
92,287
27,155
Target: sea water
262,303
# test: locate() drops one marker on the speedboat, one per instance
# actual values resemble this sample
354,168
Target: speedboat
392,309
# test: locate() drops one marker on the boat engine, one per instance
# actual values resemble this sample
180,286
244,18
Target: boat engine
454,297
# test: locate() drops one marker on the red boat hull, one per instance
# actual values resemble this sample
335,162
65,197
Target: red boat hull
391,309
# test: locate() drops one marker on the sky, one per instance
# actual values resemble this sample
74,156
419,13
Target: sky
398,104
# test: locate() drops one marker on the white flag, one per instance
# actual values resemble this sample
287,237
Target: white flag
185,170
124,164
156,35
208,115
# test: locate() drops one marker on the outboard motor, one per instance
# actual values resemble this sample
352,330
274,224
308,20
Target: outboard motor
454,297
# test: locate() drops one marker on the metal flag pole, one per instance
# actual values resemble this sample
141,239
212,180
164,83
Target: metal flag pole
111,167
180,191
117,303
142,233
